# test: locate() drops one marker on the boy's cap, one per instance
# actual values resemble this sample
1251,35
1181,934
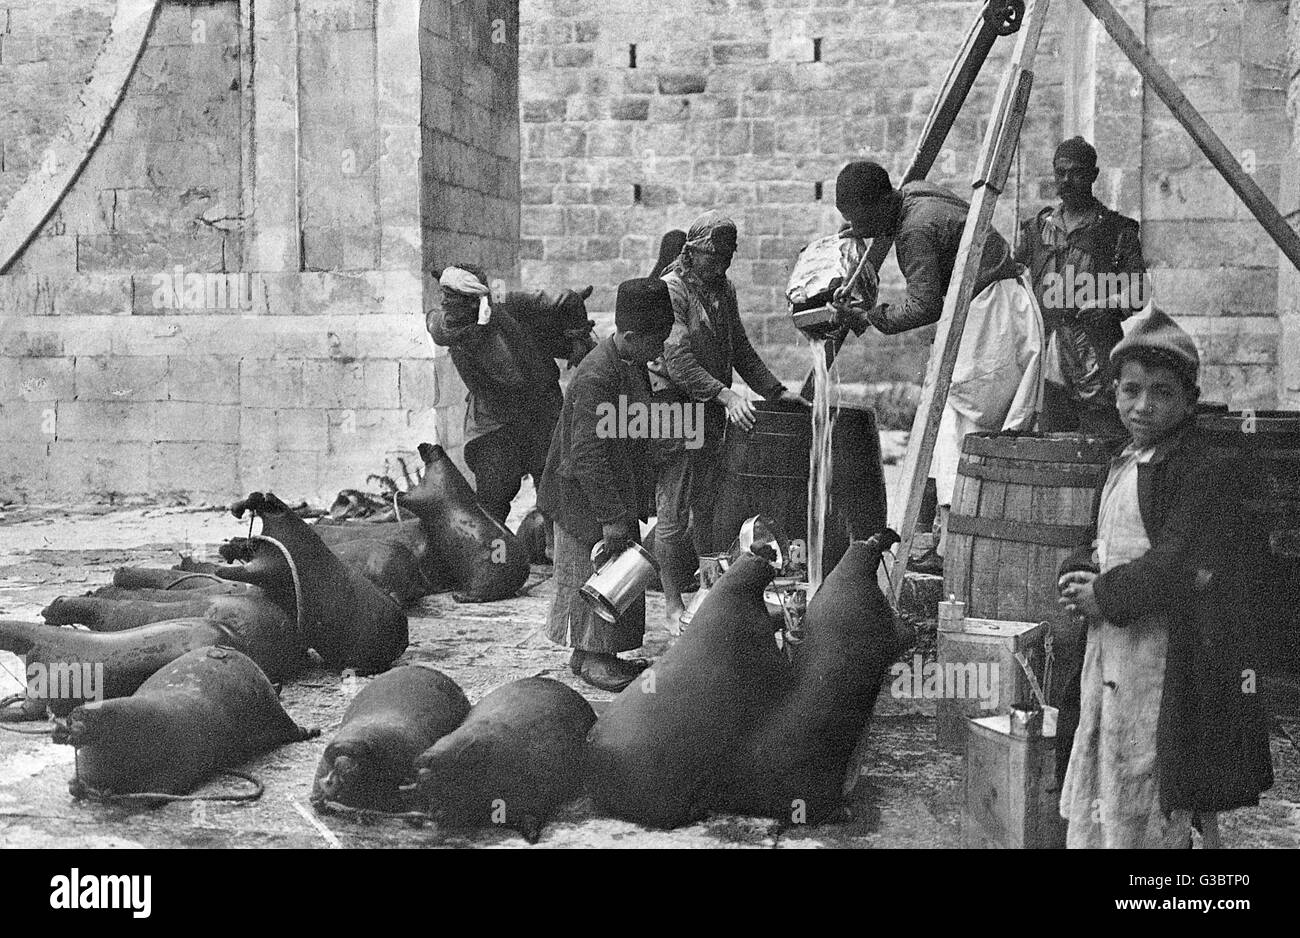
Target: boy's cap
1156,330
643,306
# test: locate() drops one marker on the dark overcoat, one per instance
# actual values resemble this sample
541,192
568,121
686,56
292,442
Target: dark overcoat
1212,737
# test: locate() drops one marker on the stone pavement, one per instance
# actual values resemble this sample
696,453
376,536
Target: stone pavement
909,794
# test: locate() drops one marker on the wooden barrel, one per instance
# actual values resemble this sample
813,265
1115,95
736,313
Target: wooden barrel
1023,502
767,473
1266,446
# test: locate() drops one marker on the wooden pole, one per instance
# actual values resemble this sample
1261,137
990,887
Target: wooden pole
995,161
1265,211
943,113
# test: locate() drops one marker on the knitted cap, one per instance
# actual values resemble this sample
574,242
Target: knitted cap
1158,332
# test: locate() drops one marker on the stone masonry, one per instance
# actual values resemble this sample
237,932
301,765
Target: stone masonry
752,104
230,295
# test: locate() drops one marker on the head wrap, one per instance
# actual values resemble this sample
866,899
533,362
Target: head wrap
460,280
860,184
644,306
1077,149
713,232
1157,332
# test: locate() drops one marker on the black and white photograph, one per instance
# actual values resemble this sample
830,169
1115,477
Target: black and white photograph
709,424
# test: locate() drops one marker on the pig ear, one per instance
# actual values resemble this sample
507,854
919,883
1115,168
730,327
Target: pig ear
587,292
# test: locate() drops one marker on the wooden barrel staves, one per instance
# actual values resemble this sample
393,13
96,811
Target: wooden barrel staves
767,473
1266,446
1023,502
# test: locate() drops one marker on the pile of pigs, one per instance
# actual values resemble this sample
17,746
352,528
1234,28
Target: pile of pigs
723,721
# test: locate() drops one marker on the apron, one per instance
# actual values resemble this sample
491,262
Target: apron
997,381
1110,796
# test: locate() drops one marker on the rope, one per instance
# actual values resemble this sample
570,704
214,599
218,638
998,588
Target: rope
85,792
297,583
333,807
193,576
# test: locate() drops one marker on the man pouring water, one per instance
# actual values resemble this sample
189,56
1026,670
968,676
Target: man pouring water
997,380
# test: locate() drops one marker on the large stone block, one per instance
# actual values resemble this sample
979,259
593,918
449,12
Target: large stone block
1250,340
1193,243
180,421
418,383
23,420
295,476
368,433
194,471
105,472
1215,291
100,421
24,472
336,384
272,382
1188,194
121,378
282,429
1240,386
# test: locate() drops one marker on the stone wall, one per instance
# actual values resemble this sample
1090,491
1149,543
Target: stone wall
1212,262
470,173
46,50
726,106
230,295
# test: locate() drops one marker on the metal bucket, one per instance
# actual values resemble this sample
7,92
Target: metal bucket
619,581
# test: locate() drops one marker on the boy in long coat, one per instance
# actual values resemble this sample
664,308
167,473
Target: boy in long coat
597,481
1170,727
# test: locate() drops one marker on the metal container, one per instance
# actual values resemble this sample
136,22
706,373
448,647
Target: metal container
712,566
619,581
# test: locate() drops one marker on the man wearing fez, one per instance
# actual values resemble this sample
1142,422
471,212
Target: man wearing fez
1085,262
996,383
596,484
707,343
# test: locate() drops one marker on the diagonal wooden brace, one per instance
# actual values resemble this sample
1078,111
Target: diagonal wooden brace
995,161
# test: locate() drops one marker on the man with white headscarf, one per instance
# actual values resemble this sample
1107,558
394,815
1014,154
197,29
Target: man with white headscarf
514,394
707,343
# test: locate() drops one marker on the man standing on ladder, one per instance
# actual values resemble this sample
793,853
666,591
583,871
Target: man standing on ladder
1085,262
997,381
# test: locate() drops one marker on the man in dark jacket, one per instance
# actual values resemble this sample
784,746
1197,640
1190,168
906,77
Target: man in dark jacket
597,479
996,380
505,350
1170,727
707,344
1085,262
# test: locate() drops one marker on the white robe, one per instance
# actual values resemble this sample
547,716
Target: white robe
997,381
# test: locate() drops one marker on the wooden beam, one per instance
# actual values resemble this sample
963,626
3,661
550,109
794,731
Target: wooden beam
1216,152
943,114
1000,143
